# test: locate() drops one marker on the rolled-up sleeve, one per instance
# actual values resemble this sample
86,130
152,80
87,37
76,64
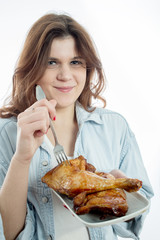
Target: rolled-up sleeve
132,165
28,231
6,153
130,229
7,149
1,230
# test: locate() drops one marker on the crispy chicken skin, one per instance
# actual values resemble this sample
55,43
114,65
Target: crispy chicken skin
91,191
108,202
82,177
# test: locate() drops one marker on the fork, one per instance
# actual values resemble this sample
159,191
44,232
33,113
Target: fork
58,149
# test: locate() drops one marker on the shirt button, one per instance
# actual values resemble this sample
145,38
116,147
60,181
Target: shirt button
44,163
44,199
49,238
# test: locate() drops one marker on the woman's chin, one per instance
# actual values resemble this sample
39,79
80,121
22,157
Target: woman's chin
64,104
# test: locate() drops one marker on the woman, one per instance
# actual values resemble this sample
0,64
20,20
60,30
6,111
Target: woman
59,56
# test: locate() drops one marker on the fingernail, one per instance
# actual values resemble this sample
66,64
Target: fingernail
54,118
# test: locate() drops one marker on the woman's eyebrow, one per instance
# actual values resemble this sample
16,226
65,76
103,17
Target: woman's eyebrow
76,57
79,57
52,58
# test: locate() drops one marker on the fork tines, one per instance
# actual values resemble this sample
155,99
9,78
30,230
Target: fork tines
61,157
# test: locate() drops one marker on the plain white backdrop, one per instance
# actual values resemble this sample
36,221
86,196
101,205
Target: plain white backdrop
127,36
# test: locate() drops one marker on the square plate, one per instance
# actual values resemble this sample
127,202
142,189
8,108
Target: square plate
137,204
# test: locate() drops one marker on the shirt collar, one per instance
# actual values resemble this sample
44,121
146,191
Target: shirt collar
83,116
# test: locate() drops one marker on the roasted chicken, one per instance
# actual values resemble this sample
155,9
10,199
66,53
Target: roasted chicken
108,202
80,176
91,190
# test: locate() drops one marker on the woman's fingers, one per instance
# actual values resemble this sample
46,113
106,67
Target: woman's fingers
118,173
40,111
52,106
32,124
49,105
30,116
31,128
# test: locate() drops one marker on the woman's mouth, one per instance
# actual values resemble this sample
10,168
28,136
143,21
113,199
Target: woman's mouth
64,89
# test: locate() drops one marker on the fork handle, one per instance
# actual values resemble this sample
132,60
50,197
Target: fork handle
54,134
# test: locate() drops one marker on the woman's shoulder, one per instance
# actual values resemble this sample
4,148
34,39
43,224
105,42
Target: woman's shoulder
113,120
110,115
7,123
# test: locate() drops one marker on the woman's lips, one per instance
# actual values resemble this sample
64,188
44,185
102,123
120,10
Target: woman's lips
64,89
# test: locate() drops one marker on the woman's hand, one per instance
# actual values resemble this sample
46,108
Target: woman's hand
32,124
118,173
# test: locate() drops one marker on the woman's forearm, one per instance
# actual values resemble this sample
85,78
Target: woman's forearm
32,124
13,198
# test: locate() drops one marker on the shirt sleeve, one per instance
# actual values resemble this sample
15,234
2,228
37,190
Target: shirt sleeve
29,228
132,165
7,149
1,230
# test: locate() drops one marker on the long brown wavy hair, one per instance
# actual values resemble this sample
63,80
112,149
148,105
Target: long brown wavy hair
33,60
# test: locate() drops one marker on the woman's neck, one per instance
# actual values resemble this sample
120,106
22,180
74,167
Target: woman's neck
65,116
66,129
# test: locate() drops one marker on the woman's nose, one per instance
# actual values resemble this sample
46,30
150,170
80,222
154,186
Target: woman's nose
64,73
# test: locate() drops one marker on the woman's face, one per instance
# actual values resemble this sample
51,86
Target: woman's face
65,76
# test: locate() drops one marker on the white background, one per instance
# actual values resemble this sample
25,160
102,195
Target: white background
127,35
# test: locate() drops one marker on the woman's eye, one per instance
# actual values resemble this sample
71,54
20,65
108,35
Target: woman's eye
75,62
78,63
51,63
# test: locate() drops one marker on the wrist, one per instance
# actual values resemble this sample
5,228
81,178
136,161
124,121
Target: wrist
22,160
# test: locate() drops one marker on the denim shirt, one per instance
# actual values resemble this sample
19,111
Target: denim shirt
106,141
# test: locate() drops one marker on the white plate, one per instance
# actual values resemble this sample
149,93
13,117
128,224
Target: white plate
136,202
